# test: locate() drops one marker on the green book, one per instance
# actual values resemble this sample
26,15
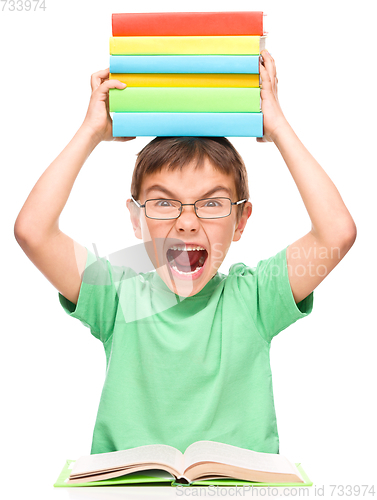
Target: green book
203,463
185,100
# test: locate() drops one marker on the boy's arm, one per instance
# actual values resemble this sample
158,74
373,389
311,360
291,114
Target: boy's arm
311,258
36,229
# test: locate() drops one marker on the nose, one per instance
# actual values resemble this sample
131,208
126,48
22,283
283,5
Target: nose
187,221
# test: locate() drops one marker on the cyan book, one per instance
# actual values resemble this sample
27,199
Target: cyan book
184,64
188,124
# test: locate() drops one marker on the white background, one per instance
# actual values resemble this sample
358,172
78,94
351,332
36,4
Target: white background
324,366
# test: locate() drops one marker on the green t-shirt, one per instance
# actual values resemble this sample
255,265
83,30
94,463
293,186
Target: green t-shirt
181,370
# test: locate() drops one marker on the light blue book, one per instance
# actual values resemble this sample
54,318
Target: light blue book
188,124
184,64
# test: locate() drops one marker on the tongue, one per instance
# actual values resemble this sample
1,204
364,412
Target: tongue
183,258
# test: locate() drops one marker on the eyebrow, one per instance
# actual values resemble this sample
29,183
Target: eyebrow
157,187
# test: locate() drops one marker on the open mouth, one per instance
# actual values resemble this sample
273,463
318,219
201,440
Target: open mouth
187,260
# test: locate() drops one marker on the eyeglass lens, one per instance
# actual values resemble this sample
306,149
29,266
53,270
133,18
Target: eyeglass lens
170,209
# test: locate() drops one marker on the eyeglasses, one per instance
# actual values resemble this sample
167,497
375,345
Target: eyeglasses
207,208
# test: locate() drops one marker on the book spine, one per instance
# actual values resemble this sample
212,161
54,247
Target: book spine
188,24
185,100
186,80
184,64
175,45
188,124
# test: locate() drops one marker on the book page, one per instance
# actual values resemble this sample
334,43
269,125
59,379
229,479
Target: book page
212,451
156,473
153,453
262,43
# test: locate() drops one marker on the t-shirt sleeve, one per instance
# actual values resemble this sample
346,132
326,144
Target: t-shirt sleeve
98,301
267,293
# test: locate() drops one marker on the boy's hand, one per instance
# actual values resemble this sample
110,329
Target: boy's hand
97,118
273,117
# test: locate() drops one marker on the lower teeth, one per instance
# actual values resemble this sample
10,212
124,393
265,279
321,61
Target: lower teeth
186,273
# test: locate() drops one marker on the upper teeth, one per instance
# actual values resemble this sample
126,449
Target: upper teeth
186,249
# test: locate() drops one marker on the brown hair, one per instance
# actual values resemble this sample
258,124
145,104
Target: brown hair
177,152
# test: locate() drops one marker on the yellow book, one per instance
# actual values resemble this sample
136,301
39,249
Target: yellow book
186,79
194,45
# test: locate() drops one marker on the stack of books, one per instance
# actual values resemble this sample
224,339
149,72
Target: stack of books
187,74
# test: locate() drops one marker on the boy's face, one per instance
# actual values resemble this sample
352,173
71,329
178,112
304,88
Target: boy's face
191,269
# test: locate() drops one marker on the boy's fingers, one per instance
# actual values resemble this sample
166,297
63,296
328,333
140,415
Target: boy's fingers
269,64
110,84
265,77
97,78
267,57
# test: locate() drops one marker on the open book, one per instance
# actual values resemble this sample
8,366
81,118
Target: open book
202,460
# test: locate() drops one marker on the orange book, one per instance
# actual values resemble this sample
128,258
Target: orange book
188,23
186,79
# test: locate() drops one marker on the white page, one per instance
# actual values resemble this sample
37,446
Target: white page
211,451
152,453
148,472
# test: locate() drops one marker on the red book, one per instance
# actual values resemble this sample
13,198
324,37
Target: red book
188,24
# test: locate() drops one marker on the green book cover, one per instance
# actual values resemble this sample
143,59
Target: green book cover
157,477
185,100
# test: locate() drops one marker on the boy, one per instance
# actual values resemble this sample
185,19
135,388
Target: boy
187,348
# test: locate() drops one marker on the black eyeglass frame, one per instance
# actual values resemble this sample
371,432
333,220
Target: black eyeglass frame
188,204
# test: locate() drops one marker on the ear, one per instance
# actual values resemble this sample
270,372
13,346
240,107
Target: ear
248,208
135,218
